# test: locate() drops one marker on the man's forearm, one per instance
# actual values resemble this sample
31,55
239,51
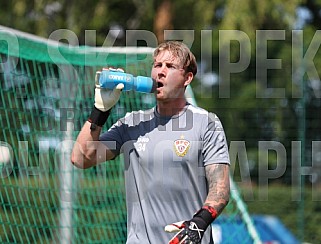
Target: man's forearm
84,151
219,186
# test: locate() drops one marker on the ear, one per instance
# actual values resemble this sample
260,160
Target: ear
188,78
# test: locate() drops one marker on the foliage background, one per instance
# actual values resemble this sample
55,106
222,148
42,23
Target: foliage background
245,117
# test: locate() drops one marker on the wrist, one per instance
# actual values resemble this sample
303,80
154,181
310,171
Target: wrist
205,216
98,117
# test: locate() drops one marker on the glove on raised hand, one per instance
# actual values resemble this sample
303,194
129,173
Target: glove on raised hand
105,99
192,231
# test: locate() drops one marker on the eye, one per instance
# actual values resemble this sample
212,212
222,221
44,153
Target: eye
157,65
172,66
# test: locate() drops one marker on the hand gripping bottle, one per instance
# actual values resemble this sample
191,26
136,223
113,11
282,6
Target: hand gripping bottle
110,79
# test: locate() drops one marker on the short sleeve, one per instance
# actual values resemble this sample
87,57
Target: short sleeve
215,149
114,134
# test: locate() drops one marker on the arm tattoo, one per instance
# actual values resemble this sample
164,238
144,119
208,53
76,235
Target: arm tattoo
217,176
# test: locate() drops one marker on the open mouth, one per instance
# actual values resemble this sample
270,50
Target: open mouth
159,84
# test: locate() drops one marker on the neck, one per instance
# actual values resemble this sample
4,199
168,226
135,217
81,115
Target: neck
171,107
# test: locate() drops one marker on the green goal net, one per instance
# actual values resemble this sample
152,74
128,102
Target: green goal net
46,95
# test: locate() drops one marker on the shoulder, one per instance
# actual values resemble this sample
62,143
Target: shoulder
207,121
134,117
197,110
203,114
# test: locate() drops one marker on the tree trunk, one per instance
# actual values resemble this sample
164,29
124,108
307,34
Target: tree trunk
163,19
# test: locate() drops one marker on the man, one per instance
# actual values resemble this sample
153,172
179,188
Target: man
176,155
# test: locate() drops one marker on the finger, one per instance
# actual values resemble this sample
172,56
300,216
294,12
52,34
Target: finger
110,68
183,240
179,238
171,228
120,87
120,70
175,227
117,90
114,69
97,77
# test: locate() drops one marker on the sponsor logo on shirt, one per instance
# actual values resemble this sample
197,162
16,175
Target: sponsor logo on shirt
141,144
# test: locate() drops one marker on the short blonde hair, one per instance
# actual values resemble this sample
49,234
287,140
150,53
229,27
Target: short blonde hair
182,52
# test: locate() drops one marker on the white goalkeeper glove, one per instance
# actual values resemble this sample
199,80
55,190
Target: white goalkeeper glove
105,99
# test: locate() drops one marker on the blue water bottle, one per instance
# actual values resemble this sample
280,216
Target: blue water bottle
110,79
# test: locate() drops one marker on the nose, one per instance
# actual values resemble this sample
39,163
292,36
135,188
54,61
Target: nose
162,71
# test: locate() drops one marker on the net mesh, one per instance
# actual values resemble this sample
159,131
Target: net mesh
46,95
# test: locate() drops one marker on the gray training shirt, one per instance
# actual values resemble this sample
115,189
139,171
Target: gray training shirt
164,167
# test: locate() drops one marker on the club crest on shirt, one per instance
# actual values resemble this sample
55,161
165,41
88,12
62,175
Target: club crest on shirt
181,146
